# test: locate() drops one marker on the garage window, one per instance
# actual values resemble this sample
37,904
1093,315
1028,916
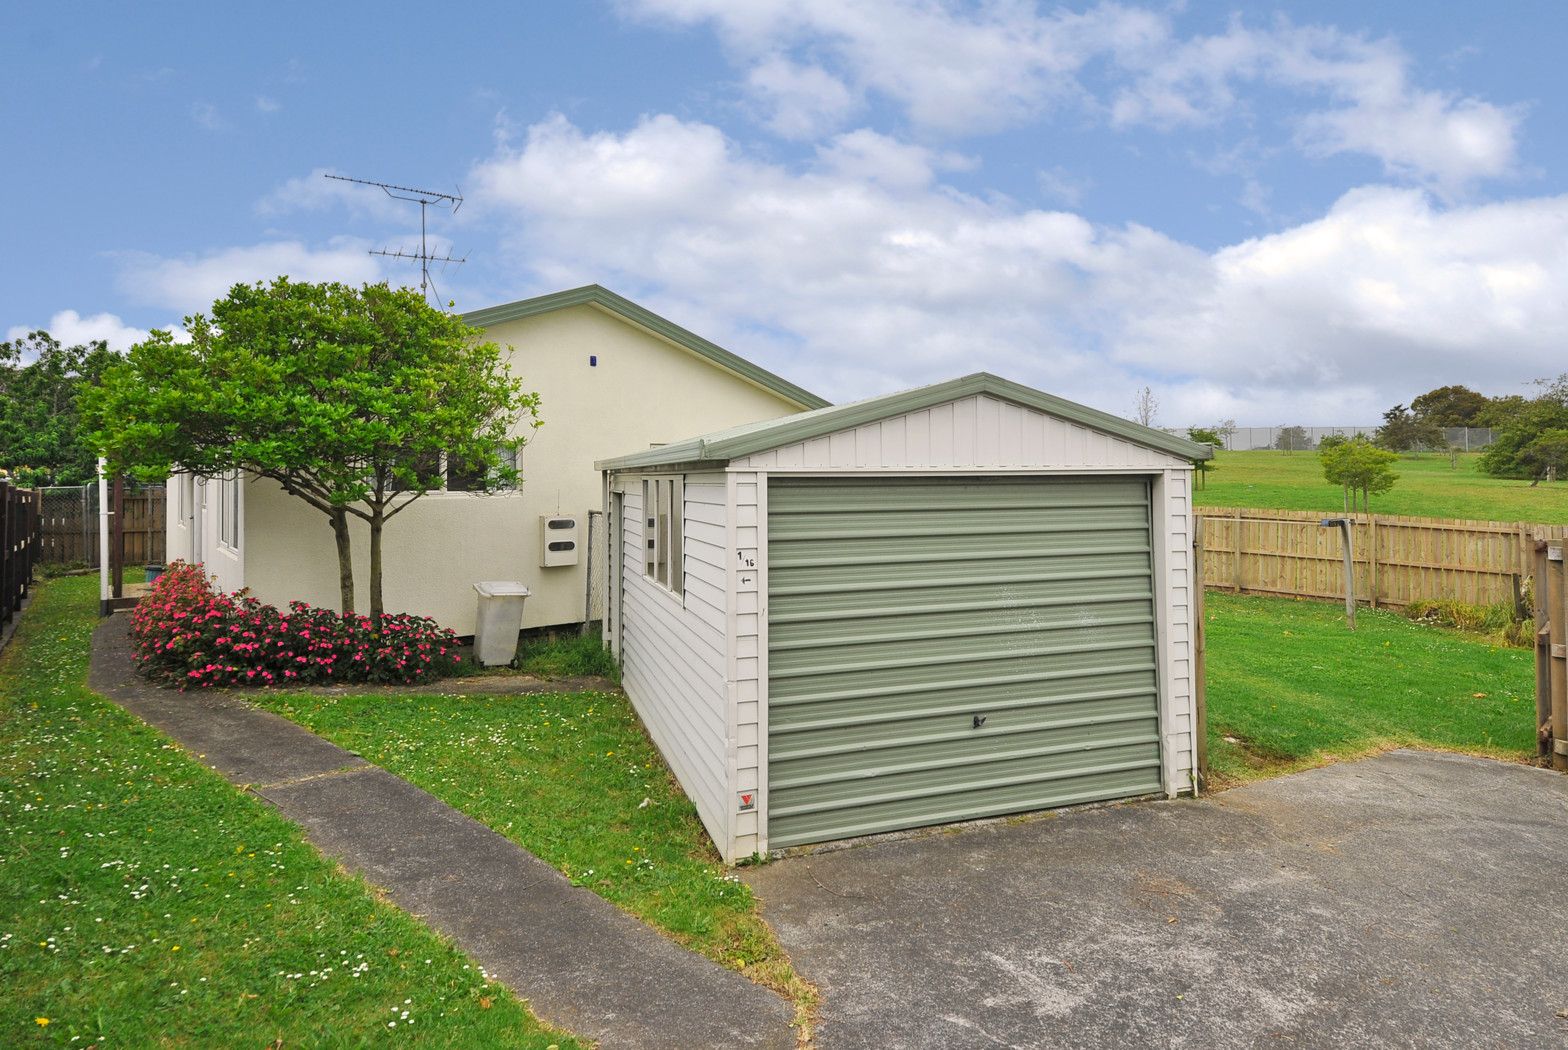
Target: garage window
663,507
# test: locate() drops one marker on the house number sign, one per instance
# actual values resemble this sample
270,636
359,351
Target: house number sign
746,569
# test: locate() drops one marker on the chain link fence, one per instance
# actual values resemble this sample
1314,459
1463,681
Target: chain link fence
598,574
1306,439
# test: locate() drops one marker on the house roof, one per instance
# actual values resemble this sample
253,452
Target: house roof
724,445
642,317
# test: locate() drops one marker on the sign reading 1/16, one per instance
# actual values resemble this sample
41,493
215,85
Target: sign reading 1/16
746,563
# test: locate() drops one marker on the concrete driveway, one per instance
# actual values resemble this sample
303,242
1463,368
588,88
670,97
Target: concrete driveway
1408,900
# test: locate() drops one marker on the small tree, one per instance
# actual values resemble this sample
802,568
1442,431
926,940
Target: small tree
1212,438
1404,431
1293,439
1145,407
1358,466
347,398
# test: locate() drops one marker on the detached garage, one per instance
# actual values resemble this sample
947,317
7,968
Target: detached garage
955,602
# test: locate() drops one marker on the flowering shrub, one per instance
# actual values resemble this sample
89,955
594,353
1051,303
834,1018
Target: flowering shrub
187,632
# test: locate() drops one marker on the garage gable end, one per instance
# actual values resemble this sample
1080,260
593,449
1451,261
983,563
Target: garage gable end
980,431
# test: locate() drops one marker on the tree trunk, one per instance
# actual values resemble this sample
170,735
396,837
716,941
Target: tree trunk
339,519
376,605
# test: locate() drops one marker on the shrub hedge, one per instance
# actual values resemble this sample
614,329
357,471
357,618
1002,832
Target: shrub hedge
188,633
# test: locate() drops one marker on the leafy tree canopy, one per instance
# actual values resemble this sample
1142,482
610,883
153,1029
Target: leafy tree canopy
1358,466
1404,431
1523,445
41,441
1451,406
348,398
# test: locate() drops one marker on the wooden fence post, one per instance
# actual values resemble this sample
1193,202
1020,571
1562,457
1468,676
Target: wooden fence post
1200,685
1543,657
1557,623
1236,541
1372,557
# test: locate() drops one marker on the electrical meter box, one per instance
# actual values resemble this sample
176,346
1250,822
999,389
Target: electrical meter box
558,540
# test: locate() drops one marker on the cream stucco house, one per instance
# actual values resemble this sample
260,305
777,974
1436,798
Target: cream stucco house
611,376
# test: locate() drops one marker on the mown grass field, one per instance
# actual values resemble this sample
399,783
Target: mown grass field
1290,687
1428,486
144,901
573,779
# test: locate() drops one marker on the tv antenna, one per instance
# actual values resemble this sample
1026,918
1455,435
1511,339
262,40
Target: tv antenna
425,199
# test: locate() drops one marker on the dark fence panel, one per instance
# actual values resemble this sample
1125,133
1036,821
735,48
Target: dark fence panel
19,546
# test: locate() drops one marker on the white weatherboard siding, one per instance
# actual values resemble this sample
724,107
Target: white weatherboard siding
973,432
673,649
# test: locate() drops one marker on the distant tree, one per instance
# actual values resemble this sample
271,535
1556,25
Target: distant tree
41,440
1500,411
1404,431
1358,467
1212,438
1524,445
347,398
1547,455
1145,407
1293,439
1450,406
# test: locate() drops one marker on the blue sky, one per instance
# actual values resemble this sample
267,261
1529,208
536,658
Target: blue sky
1300,213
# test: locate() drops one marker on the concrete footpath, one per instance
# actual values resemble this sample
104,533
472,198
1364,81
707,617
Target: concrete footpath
582,964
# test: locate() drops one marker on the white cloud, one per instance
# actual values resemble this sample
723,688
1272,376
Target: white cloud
207,117
72,329
1443,139
267,104
863,271
192,284
962,69
315,192
803,101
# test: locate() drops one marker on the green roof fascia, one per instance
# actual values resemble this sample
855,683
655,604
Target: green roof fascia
725,445
597,295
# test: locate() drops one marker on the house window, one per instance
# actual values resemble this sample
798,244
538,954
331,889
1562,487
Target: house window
466,477
664,522
229,512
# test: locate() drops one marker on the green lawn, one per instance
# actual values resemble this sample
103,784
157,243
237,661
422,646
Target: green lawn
1294,688
145,901
1427,487
573,779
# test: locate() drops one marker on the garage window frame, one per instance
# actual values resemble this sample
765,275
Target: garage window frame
664,528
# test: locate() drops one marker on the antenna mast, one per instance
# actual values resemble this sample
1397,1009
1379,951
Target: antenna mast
425,199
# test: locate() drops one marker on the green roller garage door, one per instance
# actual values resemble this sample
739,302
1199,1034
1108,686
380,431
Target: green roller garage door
944,649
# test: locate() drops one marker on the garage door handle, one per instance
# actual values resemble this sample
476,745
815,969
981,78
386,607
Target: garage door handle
979,721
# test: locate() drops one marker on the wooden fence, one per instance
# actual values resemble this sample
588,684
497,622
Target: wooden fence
1397,560
71,523
19,547
1551,652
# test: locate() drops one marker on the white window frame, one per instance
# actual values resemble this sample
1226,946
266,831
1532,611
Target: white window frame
664,531
229,512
